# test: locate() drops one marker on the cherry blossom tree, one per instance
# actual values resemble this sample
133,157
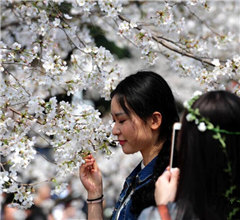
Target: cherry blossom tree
48,48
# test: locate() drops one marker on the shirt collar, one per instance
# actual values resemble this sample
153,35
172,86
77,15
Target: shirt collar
142,174
147,171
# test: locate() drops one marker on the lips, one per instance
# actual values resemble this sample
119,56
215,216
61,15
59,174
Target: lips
122,142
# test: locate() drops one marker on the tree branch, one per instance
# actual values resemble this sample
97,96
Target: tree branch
7,72
29,117
164,43
202,21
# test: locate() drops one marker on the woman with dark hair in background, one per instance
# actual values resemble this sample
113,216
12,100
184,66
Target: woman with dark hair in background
144,111
209,162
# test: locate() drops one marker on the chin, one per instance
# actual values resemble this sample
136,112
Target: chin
127,151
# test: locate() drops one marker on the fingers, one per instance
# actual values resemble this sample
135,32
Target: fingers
89,156
92,162
165,177
88,166
88,161
175,173
166,186
169,175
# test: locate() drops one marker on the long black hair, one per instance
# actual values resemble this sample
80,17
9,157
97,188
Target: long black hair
203,177
144,93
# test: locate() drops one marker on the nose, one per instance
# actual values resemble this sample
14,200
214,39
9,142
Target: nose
115,129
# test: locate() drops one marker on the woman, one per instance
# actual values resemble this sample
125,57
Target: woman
209,162
143,109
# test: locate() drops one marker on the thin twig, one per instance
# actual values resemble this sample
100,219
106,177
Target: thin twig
170,47
29,117
184,53
202,21
6,71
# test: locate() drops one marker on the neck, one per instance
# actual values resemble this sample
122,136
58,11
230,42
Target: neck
151,152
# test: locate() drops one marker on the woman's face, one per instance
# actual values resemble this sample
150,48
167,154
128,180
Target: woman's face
133,133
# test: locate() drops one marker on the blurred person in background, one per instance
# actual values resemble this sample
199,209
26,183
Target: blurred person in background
42,204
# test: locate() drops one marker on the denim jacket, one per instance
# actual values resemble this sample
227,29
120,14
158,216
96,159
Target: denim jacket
140,177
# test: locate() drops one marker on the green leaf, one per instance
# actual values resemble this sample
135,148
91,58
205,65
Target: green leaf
210,126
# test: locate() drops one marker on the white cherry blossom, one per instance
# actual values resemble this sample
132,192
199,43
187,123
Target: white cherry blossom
47,51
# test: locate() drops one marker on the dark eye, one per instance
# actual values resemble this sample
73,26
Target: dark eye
122,121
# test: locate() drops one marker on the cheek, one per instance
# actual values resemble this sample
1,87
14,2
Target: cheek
136,133
132,129
143,133
128,130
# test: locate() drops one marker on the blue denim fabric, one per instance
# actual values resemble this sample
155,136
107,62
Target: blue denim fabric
142,177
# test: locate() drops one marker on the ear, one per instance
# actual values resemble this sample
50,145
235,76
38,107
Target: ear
156,120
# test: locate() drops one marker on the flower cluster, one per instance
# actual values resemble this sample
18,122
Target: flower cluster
48,48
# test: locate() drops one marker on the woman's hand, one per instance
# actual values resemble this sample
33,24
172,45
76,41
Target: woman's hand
166,187
91,177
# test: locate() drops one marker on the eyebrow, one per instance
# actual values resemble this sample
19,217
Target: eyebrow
119,114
